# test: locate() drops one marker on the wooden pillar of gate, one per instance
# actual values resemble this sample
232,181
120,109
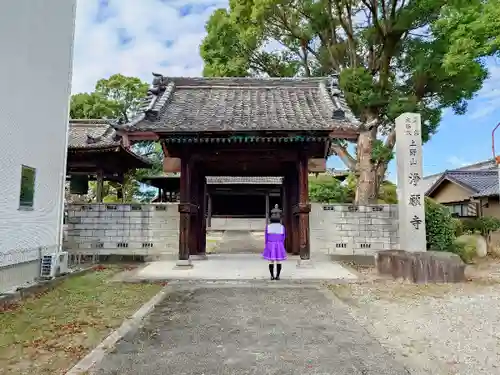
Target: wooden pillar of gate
294,199
303,207
268,209
287,211
99,186
209,209
195,223
186,208
202,214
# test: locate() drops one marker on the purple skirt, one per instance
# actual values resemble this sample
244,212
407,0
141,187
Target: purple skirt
274,251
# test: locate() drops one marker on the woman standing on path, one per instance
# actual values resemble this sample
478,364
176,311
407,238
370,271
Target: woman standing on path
274,250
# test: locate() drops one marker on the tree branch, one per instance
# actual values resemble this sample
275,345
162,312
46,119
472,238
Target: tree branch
304,58
344,155
347,29
374,15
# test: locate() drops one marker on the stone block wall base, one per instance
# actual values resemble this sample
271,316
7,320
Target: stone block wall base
198,257
183,264
305,263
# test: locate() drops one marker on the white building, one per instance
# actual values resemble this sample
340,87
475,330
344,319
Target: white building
36,40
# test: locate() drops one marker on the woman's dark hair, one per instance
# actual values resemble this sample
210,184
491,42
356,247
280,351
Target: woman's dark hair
275,219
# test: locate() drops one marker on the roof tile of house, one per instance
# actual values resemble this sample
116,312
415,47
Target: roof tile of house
481,182
244,104
429,181
91,134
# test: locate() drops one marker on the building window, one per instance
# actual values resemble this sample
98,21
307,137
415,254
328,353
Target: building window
27,194
463,210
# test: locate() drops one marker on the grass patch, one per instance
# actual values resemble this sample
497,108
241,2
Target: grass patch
48,333
212,245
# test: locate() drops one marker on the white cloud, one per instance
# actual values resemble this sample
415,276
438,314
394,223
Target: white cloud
162,40
457,162
489,95
151,23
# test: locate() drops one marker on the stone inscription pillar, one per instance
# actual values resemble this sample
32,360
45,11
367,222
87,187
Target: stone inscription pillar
411,207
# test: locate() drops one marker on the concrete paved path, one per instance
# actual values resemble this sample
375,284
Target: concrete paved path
244,267
237,257
277,329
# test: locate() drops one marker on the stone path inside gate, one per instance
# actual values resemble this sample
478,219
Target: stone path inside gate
236,256
226,329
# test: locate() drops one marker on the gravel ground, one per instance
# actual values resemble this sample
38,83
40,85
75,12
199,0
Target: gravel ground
434,329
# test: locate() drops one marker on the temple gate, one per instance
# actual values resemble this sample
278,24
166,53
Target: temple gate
242,127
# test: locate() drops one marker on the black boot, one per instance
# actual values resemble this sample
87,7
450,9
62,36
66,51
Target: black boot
278,271
271,270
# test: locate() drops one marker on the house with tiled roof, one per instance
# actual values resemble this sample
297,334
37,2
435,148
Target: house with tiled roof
471,191
428,181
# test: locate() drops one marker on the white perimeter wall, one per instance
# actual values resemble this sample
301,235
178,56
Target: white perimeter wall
36,41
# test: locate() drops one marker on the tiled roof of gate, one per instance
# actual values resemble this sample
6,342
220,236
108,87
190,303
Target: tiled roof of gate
91,134
244,104
482,183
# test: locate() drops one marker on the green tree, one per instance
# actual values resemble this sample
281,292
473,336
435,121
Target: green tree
388,193
119,97
472,26
125,93
327,189
388,53
91,106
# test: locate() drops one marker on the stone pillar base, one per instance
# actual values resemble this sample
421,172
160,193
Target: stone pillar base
305,263
198,257
183,264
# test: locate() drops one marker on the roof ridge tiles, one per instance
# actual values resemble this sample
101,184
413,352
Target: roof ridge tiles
199,104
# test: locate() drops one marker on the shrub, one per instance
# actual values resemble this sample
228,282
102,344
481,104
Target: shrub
459,227
440,227
327,190
465,247
483,225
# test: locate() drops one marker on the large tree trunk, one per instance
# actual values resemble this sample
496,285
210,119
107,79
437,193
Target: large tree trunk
366,190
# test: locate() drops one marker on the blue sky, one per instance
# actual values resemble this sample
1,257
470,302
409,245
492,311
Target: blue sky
136,38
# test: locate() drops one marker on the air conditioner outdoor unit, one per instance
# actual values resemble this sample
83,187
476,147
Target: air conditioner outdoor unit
54,264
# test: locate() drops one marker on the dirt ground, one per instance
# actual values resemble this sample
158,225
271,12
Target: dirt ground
50,332
439,329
